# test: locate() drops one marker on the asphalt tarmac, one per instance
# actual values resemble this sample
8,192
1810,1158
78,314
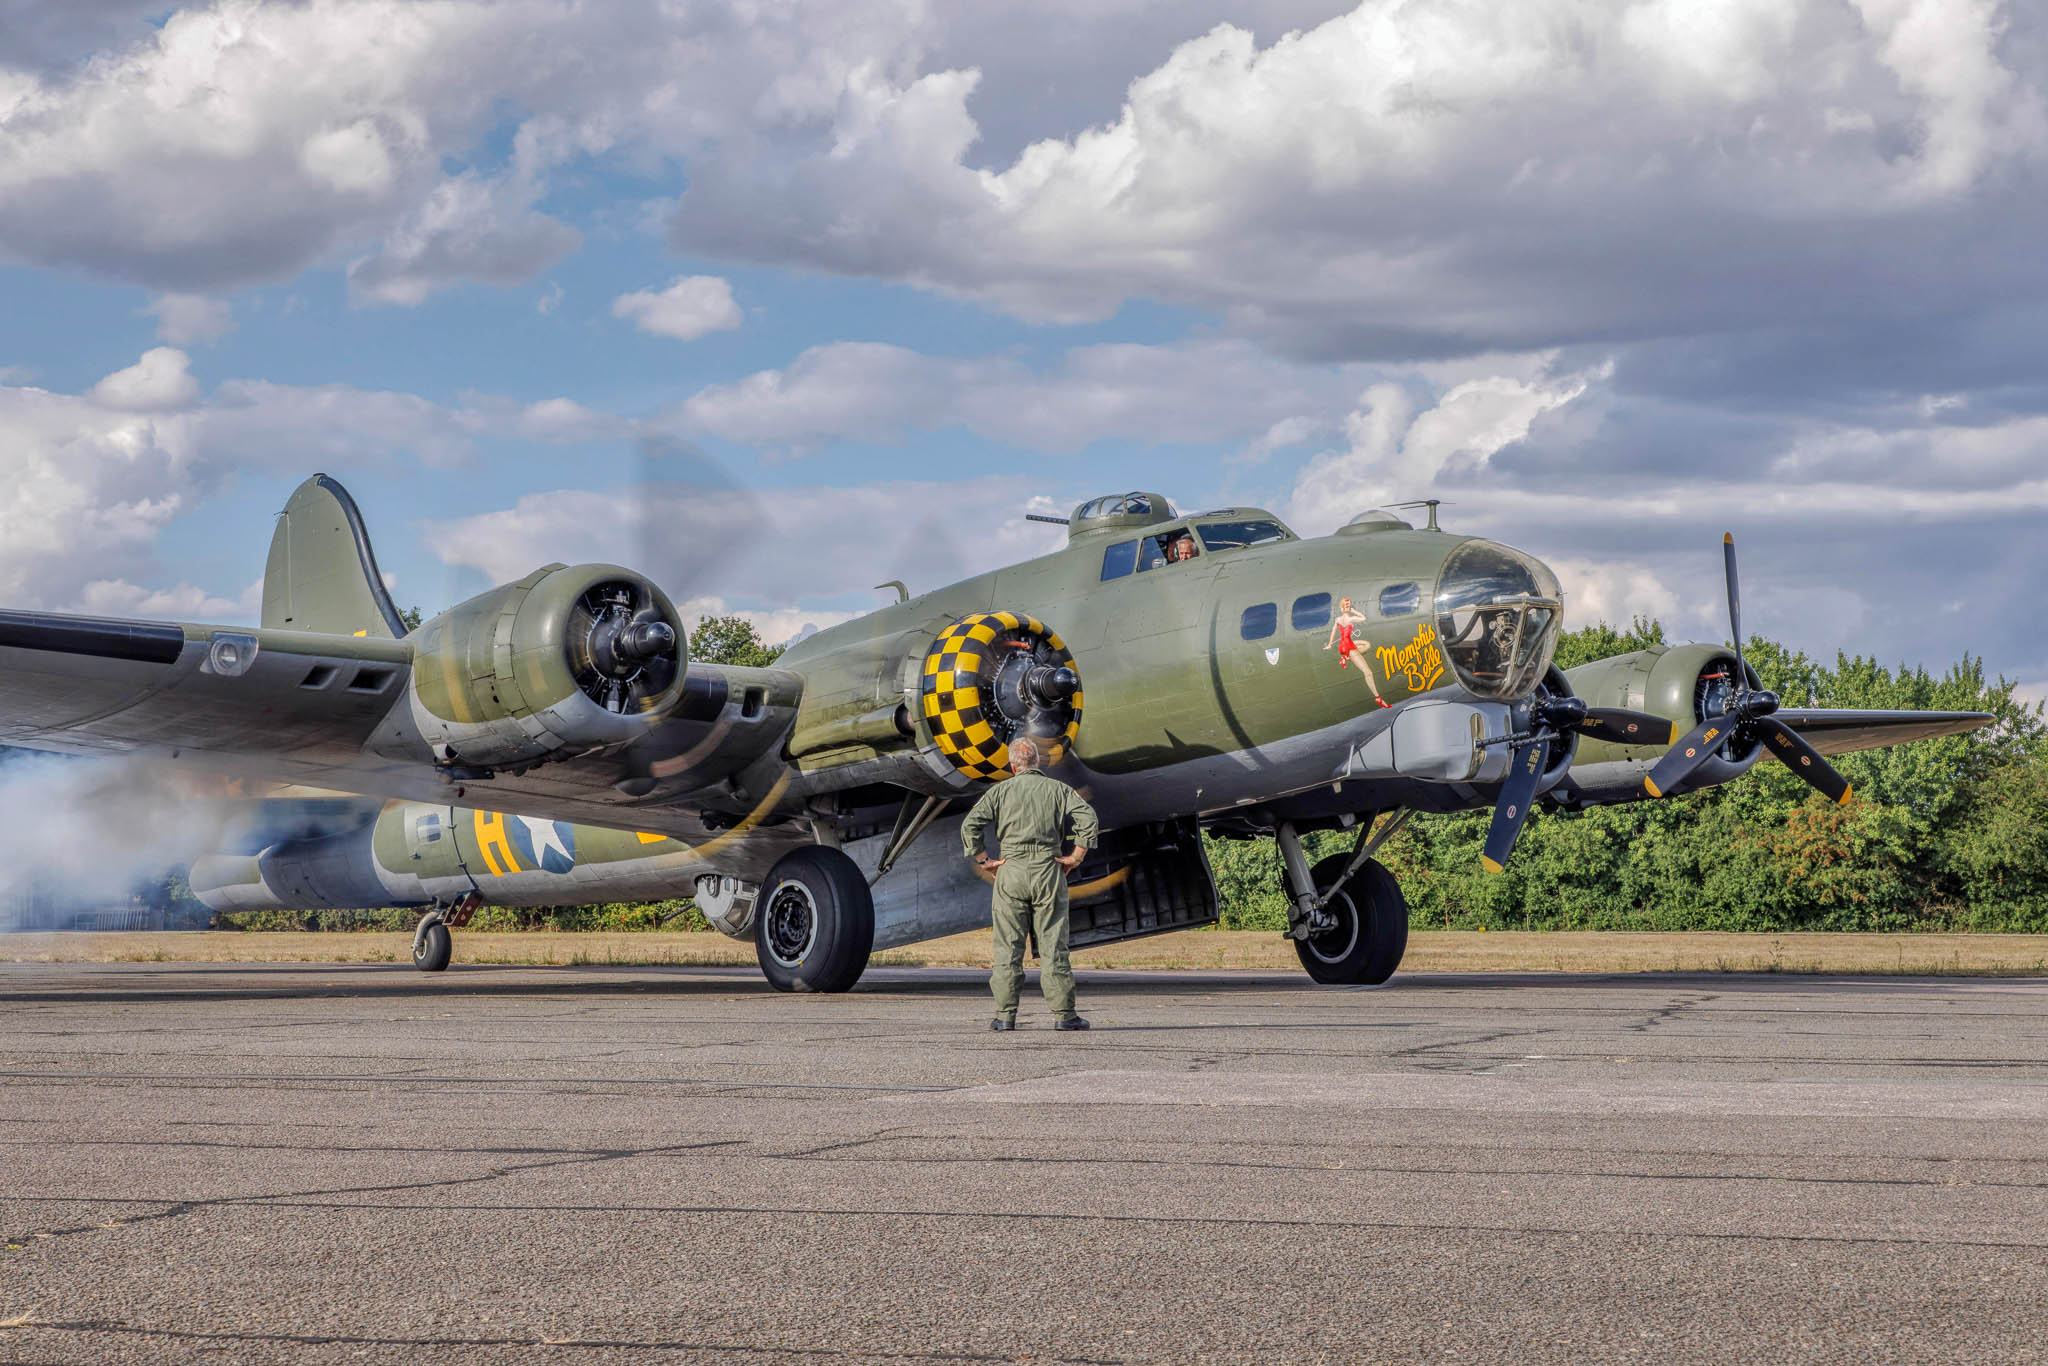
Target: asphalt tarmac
595,1165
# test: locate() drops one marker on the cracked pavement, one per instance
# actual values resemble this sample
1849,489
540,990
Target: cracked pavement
314,1163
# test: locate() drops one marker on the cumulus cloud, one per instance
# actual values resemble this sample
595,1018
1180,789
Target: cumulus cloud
239,142
160,382
707,544
95,479
690,307
191,319
1412,178
1626,493
1395,451
871,392
467,229
1394,180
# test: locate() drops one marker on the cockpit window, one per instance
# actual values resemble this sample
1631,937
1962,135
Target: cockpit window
1169,547
1237,535
1119,560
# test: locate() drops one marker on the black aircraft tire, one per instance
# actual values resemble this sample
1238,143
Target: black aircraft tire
1372,927
814,924
431,950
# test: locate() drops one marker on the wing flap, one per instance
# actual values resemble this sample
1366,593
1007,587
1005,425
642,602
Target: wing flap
1846,730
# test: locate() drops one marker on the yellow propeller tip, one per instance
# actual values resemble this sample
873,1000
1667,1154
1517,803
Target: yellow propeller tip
1674,734
1847,793
1727,538
1651,788
1488,864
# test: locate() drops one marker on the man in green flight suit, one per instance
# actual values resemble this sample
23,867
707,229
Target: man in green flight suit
1034,813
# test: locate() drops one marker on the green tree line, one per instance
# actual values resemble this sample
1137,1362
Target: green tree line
1943,834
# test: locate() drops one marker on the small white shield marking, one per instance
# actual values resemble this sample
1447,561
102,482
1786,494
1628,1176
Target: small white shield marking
1272,656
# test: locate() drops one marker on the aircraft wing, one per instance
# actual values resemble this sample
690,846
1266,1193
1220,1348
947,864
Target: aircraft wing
321,710
1846,730
95,685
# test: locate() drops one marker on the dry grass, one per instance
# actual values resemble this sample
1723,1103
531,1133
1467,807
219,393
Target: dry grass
2005,955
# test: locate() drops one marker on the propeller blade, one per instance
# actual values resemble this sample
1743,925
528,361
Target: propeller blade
1685,757
1623,727
1734,605
1511,810
1802,758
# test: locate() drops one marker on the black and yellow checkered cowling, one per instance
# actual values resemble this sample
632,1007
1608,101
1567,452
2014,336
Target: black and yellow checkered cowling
968,727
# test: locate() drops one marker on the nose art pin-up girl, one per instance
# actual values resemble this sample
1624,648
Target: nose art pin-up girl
1349,651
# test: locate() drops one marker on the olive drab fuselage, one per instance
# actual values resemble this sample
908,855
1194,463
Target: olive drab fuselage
1229,653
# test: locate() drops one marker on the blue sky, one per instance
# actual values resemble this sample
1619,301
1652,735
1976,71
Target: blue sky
1612,277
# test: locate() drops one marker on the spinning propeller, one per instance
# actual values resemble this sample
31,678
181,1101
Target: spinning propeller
1748,718
1550,718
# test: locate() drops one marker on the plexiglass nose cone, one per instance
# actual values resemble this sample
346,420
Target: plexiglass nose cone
1497,616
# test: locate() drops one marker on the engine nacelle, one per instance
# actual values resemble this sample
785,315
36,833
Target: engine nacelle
565,661
1685,684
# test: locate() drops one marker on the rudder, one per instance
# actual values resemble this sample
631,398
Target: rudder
322,574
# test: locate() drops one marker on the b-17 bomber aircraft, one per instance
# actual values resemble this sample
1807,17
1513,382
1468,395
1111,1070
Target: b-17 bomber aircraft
551,741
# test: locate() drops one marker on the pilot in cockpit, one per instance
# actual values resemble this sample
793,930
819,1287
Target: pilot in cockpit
1181,547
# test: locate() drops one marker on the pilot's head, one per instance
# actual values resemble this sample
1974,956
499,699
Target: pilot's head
1183,547
1025,754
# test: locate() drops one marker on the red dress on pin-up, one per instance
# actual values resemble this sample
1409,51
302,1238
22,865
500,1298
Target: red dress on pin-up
1345,644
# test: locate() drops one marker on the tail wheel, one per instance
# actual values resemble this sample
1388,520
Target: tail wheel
814,922
992,677
1371,934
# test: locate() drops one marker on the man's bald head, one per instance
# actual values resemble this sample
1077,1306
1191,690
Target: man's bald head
1025,754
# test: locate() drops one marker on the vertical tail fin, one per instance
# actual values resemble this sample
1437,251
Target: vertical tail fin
322,574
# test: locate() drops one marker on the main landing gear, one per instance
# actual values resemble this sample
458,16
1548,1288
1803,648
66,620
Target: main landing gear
1348,920
432,944
814,921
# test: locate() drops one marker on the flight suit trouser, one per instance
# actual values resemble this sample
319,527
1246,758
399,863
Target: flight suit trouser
1015,916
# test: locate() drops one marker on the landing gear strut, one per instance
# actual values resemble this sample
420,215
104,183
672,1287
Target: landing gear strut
431,943
1349,921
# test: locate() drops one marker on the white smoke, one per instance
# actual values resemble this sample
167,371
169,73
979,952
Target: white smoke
83,834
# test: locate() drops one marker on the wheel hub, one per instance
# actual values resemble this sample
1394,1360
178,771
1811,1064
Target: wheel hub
791,923
1333,943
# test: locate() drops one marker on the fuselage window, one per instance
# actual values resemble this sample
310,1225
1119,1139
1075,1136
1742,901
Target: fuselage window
1259,622
1236,535
1312,612
1399,600
1119,559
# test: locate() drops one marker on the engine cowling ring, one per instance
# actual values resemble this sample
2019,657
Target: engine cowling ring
975,699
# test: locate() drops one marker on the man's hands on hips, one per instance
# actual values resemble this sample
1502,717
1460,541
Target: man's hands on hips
1071,861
